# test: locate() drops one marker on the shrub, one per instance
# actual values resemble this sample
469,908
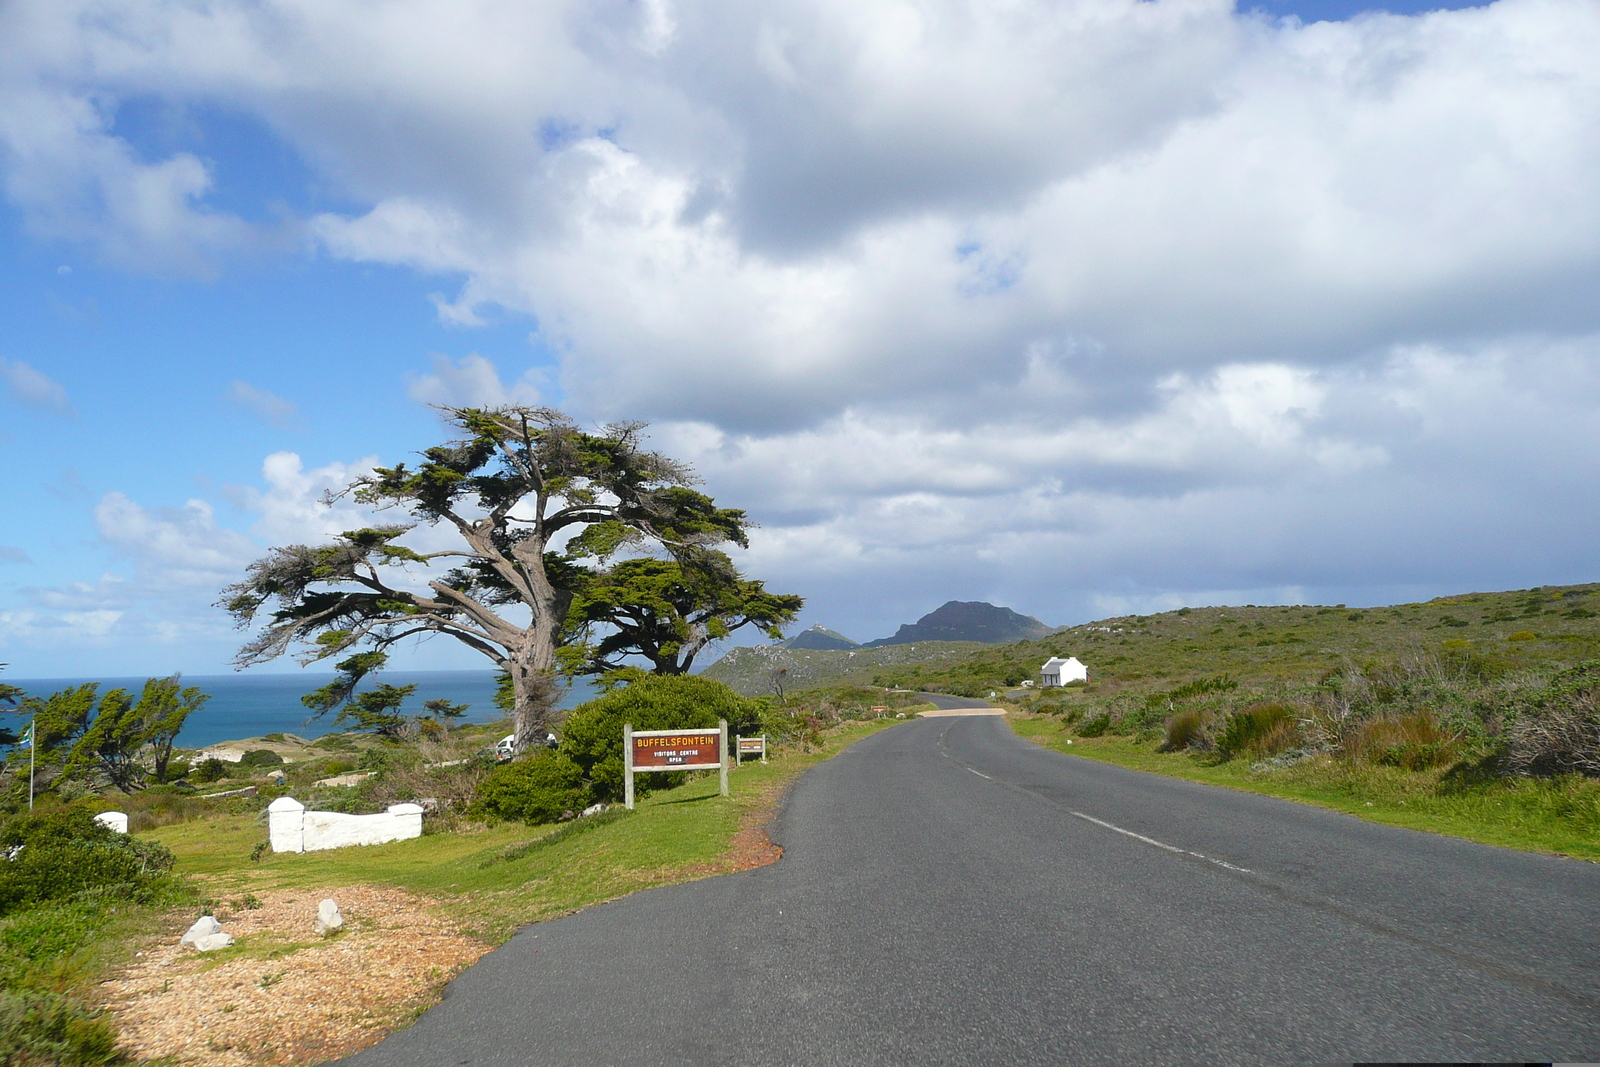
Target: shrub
1414,742
1096,726
260,757
209,770
1523,635
1256,729
275,738
63,853
1556,730
592,734
1183,730
538,789
47,1028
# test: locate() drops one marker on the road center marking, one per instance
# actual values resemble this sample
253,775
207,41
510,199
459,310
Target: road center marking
1157,844
980,774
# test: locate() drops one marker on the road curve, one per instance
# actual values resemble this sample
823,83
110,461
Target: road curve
951,894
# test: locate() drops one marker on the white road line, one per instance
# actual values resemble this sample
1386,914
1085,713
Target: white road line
980,774
1158,844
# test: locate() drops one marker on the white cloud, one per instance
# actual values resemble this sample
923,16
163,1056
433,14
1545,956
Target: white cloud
1160,298
471,382
266,406
31,387
177,546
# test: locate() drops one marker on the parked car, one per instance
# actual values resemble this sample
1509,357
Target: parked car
506,747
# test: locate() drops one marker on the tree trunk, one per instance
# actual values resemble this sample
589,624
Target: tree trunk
536,688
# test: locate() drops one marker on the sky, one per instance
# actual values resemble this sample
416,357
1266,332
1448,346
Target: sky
1084,308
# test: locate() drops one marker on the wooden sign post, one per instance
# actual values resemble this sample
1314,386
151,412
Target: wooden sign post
644,751
749,746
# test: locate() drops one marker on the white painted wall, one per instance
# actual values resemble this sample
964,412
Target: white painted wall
292,828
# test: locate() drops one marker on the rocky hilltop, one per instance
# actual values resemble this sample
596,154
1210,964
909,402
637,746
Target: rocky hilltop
821,639
968,620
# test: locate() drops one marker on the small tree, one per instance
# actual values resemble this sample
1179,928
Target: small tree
445,711
376,711
668,613
532,497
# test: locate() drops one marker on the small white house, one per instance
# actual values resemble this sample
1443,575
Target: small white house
1058,671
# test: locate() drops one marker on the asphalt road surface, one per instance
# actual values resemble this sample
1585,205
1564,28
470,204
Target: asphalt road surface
951,894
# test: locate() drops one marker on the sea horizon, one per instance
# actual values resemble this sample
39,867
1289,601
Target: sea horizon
244,706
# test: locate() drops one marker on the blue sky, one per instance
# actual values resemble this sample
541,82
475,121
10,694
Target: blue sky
1082,308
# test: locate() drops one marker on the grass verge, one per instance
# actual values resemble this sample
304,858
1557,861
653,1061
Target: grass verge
492,880
1556,815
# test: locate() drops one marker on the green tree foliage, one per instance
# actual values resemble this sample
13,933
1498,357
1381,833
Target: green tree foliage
592,734
540,788
444,711
126,732
517,481
668,613
377,710
10,697
63,853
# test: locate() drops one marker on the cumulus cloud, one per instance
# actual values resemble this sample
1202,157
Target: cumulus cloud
1199,302
34,388
266,406
471,382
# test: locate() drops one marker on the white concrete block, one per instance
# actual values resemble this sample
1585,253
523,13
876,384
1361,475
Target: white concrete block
117,820
286,825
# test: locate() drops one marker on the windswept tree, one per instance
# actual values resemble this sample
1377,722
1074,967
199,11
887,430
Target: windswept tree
668,613
532,497
376,710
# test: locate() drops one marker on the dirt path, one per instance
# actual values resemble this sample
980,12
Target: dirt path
282,995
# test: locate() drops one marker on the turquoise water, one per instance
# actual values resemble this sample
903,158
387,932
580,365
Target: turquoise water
244,705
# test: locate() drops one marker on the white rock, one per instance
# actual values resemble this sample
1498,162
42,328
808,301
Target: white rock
212,942
204,926
595,809
328,918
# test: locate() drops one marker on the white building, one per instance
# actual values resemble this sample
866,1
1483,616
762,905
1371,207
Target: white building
1058,671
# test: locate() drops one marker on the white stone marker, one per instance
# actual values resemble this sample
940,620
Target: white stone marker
329,920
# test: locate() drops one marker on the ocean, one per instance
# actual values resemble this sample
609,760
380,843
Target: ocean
244,705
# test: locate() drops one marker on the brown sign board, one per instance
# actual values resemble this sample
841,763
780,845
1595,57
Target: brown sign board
677,750
752,744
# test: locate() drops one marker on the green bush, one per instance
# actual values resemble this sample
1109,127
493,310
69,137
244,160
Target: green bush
1248,729
64,853
1183,730
43,1028
592,735
1096,726
539,789
260,757
209,770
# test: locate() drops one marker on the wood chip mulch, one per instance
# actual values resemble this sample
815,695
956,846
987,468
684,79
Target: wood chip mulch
282,995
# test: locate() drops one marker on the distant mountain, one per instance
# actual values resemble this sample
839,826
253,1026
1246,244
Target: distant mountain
967,620
821,639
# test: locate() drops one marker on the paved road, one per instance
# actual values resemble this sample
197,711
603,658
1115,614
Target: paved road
951,894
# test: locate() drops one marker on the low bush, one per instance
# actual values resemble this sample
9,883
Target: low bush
1096,726
1414,742
592,734
64,853
538,789
1556,729
260,757
1260,729
1183,730
38,1027
209,770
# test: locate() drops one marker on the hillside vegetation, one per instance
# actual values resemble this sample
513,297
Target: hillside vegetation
770,670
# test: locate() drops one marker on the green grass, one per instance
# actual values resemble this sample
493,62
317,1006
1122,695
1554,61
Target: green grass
1560,815
493,879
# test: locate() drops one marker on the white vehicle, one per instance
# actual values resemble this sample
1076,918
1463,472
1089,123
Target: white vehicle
506,747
